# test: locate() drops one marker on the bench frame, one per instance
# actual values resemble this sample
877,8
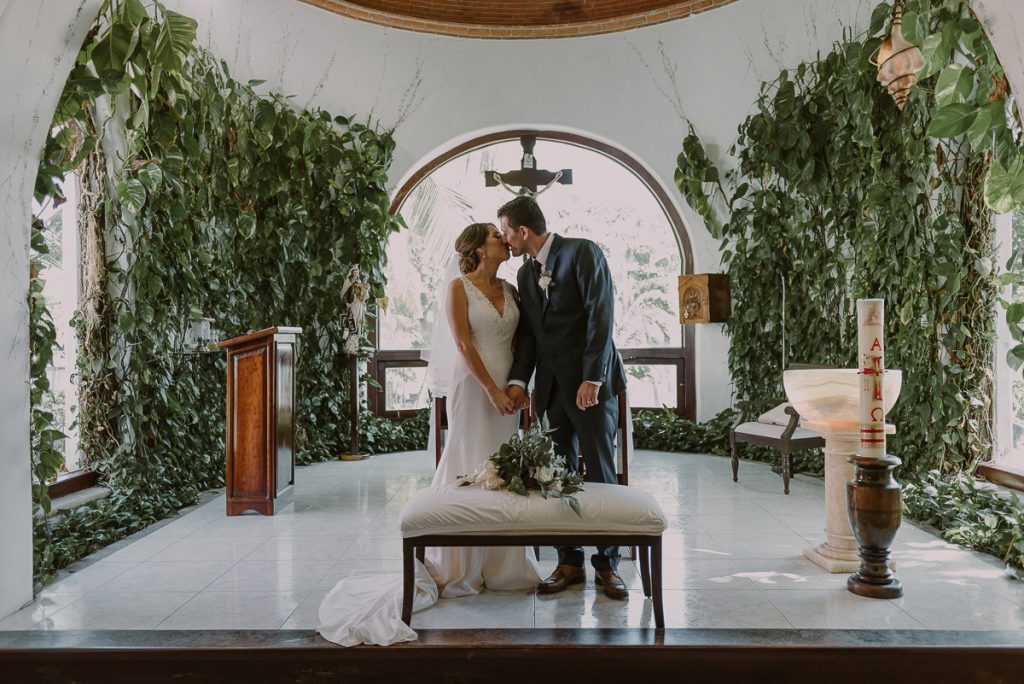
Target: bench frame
649,547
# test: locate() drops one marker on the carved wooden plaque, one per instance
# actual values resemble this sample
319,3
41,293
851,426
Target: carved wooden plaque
704,298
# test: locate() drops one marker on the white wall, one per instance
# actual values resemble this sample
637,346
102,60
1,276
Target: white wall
38,41
616,88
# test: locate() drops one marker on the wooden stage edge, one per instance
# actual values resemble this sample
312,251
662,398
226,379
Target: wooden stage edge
534,655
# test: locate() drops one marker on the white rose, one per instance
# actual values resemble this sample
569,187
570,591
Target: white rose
543,474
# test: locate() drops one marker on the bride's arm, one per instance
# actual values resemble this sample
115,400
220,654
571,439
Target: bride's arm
457,309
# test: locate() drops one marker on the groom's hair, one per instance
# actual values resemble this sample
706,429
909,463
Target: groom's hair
524,211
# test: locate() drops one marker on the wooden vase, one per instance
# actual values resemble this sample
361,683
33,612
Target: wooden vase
874,505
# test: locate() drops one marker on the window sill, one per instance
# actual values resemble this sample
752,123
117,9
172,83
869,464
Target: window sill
1003,475
69,483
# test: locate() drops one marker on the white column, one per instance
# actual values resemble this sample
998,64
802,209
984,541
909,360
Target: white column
41,40
838,553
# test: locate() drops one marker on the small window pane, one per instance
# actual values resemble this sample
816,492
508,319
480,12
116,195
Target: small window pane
405,388
651,385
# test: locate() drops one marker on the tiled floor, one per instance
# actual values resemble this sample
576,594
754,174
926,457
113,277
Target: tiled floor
732,560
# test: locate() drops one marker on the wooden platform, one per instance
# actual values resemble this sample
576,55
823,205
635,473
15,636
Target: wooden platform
529,655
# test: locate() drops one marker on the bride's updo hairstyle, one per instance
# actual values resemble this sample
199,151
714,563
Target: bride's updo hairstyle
472,238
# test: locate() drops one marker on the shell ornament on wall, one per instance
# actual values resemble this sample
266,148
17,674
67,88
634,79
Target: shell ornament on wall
898,61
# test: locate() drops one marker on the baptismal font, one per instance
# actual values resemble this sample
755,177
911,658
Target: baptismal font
832,403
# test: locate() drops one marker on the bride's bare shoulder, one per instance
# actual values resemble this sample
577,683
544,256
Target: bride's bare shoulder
457,287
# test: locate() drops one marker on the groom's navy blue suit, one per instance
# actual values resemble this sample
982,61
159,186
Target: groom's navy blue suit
566,337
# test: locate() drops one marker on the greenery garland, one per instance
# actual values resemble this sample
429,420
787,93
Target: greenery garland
219,203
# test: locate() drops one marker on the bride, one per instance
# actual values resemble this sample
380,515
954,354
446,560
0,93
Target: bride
482,313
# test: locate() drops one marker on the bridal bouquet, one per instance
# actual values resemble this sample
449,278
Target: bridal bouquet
528,463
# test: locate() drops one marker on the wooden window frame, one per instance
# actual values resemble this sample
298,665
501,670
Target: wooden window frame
681,356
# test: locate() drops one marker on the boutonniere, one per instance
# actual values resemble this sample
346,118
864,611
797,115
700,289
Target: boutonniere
545,282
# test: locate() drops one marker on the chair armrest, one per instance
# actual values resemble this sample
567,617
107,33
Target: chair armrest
794,422
747,406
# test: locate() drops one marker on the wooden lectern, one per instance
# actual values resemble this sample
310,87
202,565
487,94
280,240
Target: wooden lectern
261,419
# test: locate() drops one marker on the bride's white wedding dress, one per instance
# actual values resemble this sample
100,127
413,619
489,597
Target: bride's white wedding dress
366,607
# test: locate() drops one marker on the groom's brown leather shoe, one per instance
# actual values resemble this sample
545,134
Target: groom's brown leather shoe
562,577
613,585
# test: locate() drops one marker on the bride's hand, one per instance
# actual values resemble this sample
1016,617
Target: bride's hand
501,402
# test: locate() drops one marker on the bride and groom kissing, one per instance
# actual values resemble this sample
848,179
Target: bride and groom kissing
557,328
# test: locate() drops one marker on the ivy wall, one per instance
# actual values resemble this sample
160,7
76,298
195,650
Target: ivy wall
838,195
200,198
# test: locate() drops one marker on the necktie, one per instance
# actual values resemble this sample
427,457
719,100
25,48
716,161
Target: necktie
536,269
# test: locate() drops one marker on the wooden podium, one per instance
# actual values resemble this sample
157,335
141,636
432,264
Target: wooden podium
261,420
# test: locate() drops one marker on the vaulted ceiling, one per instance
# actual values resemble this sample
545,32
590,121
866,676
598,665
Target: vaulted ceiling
517,18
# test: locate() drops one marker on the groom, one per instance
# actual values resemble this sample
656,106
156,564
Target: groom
565,334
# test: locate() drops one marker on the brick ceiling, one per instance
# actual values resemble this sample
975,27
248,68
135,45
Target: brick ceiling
517,18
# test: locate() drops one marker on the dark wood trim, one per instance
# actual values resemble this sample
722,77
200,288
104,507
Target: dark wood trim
1003,475
377,368
687,400
649,558
535,655
656,356
69,483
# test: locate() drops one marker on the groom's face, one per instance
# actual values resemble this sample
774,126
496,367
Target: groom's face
513,237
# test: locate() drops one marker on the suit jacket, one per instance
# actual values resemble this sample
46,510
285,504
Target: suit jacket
567,335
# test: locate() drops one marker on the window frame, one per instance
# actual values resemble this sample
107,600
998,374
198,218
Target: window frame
681,356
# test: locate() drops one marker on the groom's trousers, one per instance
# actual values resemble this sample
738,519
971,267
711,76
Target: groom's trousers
592,433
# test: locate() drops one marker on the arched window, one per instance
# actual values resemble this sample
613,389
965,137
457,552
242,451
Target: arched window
613,201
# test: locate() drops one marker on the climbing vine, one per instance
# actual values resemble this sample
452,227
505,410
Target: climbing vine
838,195
202,198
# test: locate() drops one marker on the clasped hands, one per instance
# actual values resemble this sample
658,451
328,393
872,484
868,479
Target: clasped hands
510,401
514,398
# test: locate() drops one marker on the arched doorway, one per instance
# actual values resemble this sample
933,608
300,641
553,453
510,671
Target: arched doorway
614,201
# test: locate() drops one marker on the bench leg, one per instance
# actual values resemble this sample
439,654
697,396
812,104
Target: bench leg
735,458
408,575
785,472
645,568
659,612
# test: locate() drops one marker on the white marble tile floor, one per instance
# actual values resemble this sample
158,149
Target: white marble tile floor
732,560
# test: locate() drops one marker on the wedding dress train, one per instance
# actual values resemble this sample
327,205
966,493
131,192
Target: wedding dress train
366,607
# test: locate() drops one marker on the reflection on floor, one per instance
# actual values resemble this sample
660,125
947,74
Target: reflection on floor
733,560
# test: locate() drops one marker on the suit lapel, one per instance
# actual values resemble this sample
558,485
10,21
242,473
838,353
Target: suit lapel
549,267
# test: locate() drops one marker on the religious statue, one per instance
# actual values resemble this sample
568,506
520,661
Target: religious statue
354,295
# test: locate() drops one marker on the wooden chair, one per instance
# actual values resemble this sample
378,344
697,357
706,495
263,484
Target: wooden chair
786,437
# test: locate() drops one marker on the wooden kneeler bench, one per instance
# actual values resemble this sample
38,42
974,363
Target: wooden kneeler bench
468,516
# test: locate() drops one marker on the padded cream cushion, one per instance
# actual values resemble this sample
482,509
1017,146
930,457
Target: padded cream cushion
773,431
465,510
777,416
